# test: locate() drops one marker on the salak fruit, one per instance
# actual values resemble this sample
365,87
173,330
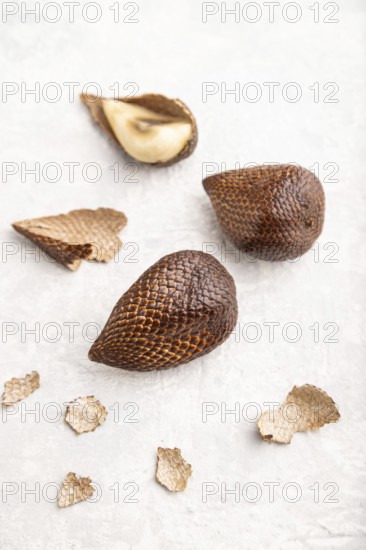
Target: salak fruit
269,212
181,308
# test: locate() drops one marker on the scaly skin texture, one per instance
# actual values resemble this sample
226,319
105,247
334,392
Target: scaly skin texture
82,234
270,212
181,308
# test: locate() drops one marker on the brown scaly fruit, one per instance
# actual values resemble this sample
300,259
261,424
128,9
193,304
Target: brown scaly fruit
181,308
150,128
271,212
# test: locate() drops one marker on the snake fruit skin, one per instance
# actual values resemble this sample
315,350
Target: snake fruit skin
157,104
271,212
181,308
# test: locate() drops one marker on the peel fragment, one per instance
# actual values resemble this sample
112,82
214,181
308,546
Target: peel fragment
79,235
147,136
305,408
19,388
150,128
74,489
172,470
85,414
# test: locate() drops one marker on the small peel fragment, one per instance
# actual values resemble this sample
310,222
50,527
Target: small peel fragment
82,234
305,408
74,489
19,388
85,414
172,470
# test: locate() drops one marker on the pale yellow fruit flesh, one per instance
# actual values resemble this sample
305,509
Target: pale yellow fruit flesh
145,135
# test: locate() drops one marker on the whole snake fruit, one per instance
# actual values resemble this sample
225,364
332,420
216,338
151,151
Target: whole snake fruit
181,308
270,212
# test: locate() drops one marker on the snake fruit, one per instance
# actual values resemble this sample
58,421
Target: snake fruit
181,308
150,128
270,212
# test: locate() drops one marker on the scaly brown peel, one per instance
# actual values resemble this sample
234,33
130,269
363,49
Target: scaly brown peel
79,235
181,308
270,212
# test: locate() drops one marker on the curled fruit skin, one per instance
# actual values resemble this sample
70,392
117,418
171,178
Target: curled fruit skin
158,104
270,212
181,308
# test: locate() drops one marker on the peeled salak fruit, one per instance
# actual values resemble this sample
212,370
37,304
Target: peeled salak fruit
151,128
181,308
270,212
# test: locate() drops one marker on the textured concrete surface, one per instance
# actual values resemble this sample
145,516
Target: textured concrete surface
172,51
